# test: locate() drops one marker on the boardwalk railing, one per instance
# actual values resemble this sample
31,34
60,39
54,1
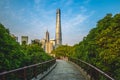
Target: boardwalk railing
95,73
27,72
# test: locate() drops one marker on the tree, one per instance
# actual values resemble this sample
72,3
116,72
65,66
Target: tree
101,47
61,51
10,52
13,55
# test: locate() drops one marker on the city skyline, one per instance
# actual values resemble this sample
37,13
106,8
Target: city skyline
32,18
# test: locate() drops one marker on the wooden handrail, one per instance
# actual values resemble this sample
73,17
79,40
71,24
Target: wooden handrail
91,70
46,63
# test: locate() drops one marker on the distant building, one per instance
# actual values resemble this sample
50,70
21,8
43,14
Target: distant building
49,45
35,41
58,35
43,41
24,40
15,37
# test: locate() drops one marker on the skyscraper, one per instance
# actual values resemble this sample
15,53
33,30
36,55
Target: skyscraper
47,36
50,44
47,43
58,39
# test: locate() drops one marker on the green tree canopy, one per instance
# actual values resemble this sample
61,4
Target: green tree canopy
101,47
13,55
61,51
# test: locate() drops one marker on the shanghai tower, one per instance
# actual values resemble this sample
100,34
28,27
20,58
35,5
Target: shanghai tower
58,39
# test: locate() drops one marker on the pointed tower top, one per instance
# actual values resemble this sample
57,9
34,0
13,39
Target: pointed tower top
47,31
58,11
47,36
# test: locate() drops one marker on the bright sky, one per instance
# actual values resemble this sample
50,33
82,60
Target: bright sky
34,17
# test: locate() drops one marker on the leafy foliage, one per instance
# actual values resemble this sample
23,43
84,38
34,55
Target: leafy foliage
101,47
34,54
61,51
13,55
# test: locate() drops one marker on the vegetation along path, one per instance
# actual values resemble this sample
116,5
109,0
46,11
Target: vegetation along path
64,71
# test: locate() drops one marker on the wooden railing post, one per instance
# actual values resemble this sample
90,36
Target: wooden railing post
35,72
42,65
3,77
24,74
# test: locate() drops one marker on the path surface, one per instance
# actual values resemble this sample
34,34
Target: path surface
64,71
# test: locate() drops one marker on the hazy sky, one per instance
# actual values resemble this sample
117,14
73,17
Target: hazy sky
34,17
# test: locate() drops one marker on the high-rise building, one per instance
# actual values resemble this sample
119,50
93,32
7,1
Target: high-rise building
58,35
47,44
47,36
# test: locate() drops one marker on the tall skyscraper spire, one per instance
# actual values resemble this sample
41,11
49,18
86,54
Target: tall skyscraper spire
50,44
58,28
47,36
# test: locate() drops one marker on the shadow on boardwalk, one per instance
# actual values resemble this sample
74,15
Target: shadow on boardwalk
64,71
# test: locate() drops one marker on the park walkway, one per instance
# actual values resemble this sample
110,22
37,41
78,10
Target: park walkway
64,71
